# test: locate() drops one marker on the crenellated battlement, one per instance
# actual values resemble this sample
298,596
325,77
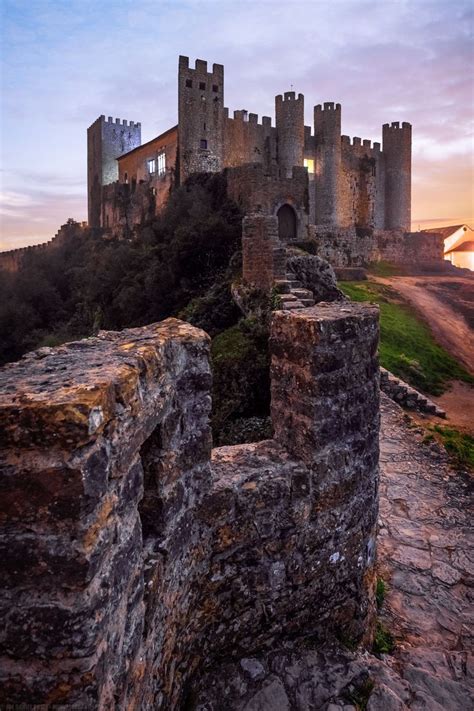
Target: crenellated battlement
130,540
11,260
200,67
288,96
119,122
395,126
243,116
328,106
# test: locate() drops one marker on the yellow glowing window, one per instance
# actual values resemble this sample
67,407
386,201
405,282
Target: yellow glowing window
309,163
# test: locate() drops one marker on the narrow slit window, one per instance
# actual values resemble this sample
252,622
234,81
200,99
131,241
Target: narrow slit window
203,143
189,83
151,165
161,163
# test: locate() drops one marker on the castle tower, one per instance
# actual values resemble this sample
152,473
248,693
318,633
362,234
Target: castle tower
200,118
106,141
397,151
289,113
327,169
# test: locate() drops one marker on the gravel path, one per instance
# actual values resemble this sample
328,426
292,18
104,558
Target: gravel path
446,316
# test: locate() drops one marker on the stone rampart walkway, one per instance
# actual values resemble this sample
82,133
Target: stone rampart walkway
426,555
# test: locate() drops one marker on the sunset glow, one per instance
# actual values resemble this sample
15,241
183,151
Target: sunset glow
64,64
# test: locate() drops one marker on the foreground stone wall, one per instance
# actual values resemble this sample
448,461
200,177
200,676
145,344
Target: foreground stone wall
131,559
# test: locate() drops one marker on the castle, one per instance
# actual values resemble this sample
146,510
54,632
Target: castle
304,175
350,198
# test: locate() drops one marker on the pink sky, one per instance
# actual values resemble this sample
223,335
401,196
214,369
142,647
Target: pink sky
66,63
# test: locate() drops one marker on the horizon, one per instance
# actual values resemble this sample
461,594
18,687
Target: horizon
53,88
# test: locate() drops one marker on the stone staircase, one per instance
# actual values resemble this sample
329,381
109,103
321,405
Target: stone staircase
292,294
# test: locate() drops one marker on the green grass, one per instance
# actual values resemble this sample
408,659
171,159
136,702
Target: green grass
380,592
458,444
407,347
384,269
384,642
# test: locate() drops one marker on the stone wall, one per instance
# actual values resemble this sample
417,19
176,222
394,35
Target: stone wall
256,190
131,560
126,206
357,248
263,257
12,260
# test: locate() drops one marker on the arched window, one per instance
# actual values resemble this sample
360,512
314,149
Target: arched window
286,223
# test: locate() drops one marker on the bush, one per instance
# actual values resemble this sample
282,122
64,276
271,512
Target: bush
92,283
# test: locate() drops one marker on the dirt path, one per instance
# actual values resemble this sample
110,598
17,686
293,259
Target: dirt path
447,317
426,555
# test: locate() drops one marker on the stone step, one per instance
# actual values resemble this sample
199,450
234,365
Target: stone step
294,284
302,293
307,302
282,286
288,297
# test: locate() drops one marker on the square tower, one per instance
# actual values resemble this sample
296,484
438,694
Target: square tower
106,141
200,118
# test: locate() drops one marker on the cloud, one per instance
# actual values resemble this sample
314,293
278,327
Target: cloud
67,63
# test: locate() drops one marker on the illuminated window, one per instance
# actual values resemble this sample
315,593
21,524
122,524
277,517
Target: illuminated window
161,163
203,143
309,163
151,165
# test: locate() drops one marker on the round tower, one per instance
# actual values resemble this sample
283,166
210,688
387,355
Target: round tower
327,135
289,113
397,154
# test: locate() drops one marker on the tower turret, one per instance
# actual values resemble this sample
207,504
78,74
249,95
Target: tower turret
289,113
327,135
107,140
397,152
200,118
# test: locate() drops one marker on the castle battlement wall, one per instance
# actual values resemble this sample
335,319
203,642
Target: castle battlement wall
12,260
132,558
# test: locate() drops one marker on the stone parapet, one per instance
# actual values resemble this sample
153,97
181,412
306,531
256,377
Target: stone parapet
132,559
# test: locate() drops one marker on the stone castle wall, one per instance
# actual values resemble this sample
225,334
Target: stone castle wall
132,558
12,260
351,248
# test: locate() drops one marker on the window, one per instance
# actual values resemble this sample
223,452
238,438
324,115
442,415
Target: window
202,86
203,143
215,88
309,163
189,83
151,165
161,163
204,126
125,177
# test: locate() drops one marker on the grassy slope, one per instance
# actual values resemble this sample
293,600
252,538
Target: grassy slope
407,347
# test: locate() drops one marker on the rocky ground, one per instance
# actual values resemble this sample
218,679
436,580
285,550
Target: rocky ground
426,557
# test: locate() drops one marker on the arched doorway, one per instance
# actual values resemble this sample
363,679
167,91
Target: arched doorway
286,223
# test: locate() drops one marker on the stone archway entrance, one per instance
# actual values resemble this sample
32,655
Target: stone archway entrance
286,223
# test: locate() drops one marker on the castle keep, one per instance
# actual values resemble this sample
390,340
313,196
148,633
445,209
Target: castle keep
307,176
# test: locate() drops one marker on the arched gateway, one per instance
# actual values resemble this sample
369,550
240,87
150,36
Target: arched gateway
286,223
